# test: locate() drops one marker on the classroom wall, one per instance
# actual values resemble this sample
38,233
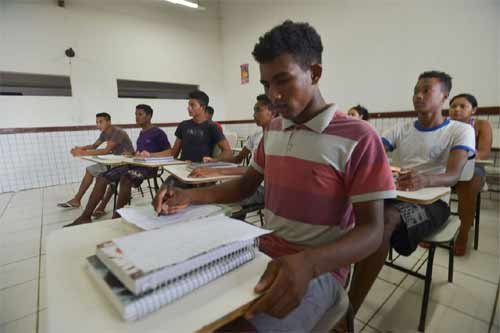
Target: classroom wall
147,40
374,50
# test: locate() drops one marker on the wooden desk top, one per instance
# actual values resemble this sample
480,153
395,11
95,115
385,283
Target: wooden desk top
76,305
425,196
182,172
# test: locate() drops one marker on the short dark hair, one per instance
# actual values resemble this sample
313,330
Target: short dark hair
471,99
200,96
300,40
210,110
444,78
264,100
362,111
146,108
104,115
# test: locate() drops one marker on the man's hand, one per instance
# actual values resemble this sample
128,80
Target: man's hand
143,153
204,172
78,152
283,284
208,159
410,180
170,200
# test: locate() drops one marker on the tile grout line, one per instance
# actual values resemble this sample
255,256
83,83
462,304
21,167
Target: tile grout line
467,274
396,286
7,204
39,268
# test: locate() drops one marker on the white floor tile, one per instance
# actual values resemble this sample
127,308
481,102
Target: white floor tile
8,225
19,272
18,301
482,265
466,294
378,294
43,294
19,252
42,321
23,325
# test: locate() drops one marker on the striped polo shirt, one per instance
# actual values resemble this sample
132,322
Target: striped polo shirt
314,172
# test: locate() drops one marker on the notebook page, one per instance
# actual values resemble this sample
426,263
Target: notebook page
158,248
147,219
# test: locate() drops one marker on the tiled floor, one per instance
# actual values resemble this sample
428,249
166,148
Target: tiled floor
393,305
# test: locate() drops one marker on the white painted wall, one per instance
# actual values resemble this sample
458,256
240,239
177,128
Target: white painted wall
374,50
139,40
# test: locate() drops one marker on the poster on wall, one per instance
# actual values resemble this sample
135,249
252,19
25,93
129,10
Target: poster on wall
245,75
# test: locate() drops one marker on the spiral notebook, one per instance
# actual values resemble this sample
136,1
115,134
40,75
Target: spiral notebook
134,307
149,259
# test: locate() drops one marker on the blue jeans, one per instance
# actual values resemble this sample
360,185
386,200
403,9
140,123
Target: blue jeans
320,296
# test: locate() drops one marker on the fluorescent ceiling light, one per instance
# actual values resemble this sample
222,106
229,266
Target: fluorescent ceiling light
184,3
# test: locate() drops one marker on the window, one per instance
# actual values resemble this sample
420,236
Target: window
25,84
148,89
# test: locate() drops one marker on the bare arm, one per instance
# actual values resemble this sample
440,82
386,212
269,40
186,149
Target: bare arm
226,152
110,145
210,172
173,200
242,155
286,279
412,180
484,140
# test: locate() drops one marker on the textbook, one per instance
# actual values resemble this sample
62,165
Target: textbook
134,307
164,159
213,165
151,259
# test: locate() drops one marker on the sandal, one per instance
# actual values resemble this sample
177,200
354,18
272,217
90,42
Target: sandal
67,204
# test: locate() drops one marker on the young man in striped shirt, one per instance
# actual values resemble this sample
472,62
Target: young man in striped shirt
321,197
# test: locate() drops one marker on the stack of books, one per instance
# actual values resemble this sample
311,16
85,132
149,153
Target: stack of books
165,159
212,165
142,272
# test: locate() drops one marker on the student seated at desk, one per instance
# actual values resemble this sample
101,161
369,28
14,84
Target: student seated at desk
151,139
438,159
117,142
318,166
262,115
359,112
210,114
198,136
462,108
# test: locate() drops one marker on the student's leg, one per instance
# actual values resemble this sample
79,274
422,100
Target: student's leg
123,193
321,295
95,197
100,210
367,270
467,193
91,172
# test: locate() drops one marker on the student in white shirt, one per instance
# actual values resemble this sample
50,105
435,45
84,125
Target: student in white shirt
433,151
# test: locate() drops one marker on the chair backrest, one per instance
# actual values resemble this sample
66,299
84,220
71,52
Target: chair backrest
496,138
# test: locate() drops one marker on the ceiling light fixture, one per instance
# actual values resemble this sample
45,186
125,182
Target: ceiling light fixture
184,3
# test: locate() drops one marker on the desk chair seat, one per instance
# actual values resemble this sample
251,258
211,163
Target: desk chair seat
340,310
443,237
242,213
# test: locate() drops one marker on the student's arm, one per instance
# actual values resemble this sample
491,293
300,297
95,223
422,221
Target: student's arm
242,155
286,279
211,172
78,150
110,145
173,200
484,140
174,151
226,152
411,180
